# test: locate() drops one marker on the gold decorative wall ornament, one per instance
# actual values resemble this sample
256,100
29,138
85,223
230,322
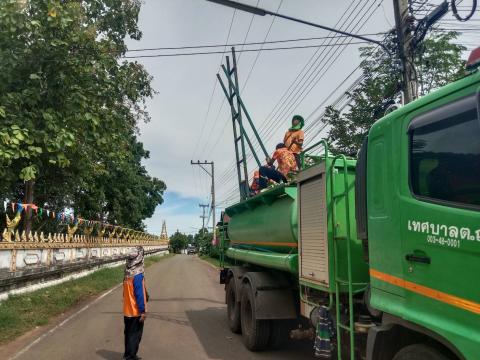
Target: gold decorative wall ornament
71,231
9,232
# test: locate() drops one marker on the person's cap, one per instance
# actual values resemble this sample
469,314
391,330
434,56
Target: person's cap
298,117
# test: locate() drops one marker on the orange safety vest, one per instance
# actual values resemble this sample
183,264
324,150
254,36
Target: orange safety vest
134,299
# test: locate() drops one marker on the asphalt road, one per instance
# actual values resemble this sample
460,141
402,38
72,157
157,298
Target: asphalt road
186,320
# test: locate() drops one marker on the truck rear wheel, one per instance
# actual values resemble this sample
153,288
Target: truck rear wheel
279,330
255,333
233,307
419,352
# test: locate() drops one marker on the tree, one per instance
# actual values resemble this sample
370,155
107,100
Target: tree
438,62
203,239
69,109
178,242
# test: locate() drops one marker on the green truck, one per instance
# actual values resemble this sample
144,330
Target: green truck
376,257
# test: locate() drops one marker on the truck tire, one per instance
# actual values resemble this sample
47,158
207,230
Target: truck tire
419,352
279,330
255,333
233,307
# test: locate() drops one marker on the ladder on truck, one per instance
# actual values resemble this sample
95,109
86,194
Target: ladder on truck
339,281
237,109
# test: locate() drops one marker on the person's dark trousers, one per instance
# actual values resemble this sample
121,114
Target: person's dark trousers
297,160
133,335
269,173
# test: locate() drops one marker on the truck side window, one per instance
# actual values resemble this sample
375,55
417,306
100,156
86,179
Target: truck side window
445,154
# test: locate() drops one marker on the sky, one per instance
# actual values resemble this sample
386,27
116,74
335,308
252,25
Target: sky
190,119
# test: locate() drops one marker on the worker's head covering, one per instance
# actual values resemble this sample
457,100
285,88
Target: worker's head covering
135,264
300,124
280,146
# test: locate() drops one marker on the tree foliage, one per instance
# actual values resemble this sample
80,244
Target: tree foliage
70,107
203,242
438,62
178,241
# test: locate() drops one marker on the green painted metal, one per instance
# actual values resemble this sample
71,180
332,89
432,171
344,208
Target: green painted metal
282,262
340,227
348,240
391,205
453,271
267,221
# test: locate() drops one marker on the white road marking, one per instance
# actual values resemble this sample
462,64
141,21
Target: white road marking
51,331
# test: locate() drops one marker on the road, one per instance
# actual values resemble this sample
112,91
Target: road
186,320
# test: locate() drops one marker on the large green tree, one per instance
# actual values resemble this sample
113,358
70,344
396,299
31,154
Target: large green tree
70,108
178,241
438,62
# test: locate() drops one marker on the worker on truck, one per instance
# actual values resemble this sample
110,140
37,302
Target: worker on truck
286,166
294,137
255,186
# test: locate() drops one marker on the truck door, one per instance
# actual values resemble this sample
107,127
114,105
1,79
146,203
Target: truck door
440,214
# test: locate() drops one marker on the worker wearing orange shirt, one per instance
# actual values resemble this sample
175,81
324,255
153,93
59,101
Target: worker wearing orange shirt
255,186
294,137
286,164
135,299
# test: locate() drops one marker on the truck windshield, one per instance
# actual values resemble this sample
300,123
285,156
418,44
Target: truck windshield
445,156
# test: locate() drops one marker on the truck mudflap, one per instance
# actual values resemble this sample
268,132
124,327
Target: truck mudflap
274,296
224,275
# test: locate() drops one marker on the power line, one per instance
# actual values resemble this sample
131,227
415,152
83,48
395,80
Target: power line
247,78
328,68
305,67
292,97
299,93
344,19
223,99
249,43
214,88
244,50
249,73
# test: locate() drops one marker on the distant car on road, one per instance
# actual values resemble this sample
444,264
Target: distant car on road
191,250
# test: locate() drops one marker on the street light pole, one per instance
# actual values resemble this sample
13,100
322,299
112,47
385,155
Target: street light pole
262,12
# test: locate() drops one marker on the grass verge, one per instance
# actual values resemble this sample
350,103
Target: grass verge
214,261
21,313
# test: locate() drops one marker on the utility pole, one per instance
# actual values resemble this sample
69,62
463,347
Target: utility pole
211,173
405,50
203,216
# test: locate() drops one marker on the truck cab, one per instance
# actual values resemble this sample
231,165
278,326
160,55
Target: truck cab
421,222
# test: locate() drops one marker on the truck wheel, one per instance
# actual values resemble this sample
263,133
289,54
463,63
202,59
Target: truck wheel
255,333
233,308
278,333
419,352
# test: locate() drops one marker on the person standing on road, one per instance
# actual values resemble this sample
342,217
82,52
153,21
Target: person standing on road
294,137
134,302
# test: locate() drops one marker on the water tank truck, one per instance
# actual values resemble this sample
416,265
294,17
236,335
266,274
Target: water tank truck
385,248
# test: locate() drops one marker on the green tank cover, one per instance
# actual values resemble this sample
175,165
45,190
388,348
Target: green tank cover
283,262
267,221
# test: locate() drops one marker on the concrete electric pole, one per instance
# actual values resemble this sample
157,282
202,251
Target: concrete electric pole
404,36
211,173
203,216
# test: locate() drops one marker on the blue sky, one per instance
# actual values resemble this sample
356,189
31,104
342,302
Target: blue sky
180,212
